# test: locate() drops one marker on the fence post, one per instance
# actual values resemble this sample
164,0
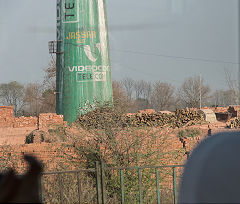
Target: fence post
103,183
41,188
157,185
61,188
122,186
79,187
140,186
98,182
174,186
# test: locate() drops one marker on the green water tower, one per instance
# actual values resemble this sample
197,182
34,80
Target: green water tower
83,79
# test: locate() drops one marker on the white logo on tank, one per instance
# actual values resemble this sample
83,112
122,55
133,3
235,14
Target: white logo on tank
89,53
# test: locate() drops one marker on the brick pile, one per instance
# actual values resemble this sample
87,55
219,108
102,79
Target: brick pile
14,130
147,111
13,136
6,116
25,122
205,107
217,109
56,155
44,120
47,120
220,109
51,155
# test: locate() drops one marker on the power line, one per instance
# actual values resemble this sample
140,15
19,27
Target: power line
143,73
165,56
176,57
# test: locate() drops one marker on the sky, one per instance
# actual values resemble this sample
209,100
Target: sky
153,40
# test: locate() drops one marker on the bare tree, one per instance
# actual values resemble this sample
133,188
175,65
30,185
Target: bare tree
190,92
138,88
128,84
223,98
49,84
41,98
120,99
12,94
141,104
33,98
142,89
162,97
50,73
232,86
147,89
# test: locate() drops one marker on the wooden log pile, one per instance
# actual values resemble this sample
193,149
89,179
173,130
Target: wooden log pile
100,119
187,117
234,123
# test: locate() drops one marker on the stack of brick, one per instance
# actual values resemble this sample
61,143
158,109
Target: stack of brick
47,120
221,109
147,111
212,108
26,122
217,109
6,116
51,155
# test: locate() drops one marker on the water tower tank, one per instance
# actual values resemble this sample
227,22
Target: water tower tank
83,65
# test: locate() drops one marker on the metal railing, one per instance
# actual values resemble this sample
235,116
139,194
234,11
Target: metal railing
100,187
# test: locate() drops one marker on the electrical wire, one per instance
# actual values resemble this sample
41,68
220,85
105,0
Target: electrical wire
143,73
176,57
166,56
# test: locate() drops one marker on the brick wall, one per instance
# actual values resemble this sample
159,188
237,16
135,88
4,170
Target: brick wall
51,155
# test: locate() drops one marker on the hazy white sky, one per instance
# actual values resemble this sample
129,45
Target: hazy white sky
146,39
